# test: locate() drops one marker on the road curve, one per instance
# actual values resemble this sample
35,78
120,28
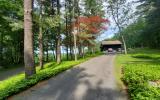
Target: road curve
91,80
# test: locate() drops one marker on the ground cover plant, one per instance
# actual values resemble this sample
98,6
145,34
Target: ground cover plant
141,73
18,82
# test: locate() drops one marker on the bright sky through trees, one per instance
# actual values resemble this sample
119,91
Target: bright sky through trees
112,30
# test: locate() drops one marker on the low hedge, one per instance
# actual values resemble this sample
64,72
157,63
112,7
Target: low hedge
137,77
146,56
18,82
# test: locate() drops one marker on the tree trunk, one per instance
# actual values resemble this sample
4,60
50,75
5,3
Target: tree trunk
93,52
67,53
47,56
83,52
74,33
28,39
22,49
75,46
79,49
40,37
120,28
70,45
89,49
124,44
71,49
46,46
67,32
1,49
58,52
53,55
70,29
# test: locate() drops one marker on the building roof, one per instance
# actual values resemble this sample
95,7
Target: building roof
116,42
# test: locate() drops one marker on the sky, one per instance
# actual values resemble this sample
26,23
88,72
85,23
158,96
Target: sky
112,29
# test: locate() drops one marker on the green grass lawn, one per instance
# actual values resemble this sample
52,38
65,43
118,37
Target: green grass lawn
18,82
141,73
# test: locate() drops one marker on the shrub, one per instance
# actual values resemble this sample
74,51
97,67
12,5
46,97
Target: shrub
137,77
146,56
18,82
141,68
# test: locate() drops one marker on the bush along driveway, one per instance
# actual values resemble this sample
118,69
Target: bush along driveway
141,73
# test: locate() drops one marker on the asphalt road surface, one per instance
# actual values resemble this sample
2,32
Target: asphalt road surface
91,80
10,72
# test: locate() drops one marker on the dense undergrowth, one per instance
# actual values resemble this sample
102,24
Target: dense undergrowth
18,82
141,73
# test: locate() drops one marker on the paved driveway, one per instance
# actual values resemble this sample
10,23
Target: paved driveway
91,80
10,72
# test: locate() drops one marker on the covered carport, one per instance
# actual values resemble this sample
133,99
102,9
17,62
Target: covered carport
115,45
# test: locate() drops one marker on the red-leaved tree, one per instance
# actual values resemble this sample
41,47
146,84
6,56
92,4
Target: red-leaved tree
88,28
92,24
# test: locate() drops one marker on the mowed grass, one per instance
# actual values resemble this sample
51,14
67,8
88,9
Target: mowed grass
18,82
139,68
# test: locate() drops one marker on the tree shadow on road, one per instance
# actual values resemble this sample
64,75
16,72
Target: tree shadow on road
73,84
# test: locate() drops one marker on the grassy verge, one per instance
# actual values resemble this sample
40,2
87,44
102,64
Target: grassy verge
141,73
118,74
18,83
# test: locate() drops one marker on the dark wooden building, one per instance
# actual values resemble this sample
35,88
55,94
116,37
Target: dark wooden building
115,45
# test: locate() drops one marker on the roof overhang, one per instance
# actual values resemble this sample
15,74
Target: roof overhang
111,42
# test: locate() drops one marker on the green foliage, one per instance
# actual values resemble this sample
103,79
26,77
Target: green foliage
143,30
93,7
11,33
18,82
133,34
137,77
149,9
52,21
147,56
139,68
